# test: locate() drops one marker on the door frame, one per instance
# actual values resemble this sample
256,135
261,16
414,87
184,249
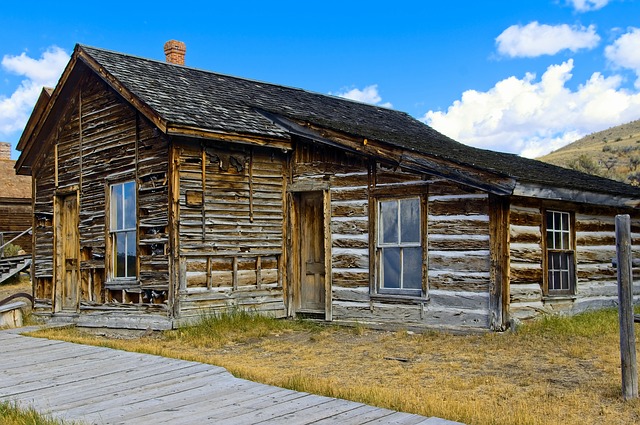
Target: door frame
59,264
295,249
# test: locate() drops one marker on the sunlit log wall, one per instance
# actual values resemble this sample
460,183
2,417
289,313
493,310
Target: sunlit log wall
101,140
596,285
458,256
230,229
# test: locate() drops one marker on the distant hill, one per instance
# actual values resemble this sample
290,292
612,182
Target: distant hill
613,153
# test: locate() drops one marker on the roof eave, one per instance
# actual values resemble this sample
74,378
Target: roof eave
416,161
247,139
534,190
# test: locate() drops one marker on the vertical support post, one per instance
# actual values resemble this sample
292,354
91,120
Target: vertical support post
1,243
625,297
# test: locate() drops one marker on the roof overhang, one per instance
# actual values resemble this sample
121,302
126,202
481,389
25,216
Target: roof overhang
532,190
415,161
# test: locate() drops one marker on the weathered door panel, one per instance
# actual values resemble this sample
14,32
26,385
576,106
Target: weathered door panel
312,253
67,253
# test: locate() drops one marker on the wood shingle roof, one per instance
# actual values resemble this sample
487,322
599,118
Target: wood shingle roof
194,98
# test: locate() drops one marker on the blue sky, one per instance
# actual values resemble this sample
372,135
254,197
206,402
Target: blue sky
519,76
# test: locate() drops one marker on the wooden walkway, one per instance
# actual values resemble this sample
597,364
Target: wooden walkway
97,385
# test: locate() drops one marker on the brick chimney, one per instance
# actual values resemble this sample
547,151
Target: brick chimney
174,51
5,150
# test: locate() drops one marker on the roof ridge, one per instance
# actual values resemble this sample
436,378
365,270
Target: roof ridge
247,79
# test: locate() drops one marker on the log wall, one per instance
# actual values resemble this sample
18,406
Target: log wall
596,284
102,140
458,249
231,218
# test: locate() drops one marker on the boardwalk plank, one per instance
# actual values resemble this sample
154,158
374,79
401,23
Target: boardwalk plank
104,392
360,415
106,387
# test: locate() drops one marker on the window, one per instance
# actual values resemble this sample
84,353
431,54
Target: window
123,230
400,247
560,254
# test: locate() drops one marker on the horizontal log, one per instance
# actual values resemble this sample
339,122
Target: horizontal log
458,225
410,315
355,294
525,234
350,194
525,292
531,217
474,261
458,242
466,205
350,226
467,300
351,209
350,241
526,253
526,273
458,281
350,278
350,258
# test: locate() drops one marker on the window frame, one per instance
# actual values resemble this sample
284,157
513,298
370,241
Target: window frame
380,246
566,251
113,230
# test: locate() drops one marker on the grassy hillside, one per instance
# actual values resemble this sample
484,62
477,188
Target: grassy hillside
612,153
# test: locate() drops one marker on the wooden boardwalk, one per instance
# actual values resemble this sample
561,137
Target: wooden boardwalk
97,385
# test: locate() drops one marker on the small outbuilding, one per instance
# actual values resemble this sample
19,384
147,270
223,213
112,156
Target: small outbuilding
163,191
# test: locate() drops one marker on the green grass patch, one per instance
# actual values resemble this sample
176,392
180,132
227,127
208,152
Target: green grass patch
11,414
588,324
215,330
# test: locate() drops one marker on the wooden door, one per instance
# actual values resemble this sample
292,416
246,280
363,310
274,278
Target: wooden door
312,253
67,253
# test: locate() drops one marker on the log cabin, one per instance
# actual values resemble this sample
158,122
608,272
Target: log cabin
164,192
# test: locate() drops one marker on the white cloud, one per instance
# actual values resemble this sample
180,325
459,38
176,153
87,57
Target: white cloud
588,5
368,94
45,71
625,52
536,39
533,117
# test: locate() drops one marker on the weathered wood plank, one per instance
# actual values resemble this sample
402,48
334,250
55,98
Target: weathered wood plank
132,388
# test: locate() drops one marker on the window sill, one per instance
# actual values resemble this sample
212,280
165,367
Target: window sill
559,297
399,299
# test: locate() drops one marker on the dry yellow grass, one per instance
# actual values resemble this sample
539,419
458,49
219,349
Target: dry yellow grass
558,371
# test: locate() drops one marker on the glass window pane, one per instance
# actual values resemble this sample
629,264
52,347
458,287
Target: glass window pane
129,205
116,207
557,243
389,222
565,240
131,254
412,268
410,220
549,220
565,221
550,239
391,267
119,254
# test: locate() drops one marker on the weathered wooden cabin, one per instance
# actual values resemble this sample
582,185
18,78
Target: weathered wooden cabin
163,191
15,202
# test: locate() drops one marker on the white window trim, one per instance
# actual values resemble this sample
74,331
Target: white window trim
113,232
380,246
